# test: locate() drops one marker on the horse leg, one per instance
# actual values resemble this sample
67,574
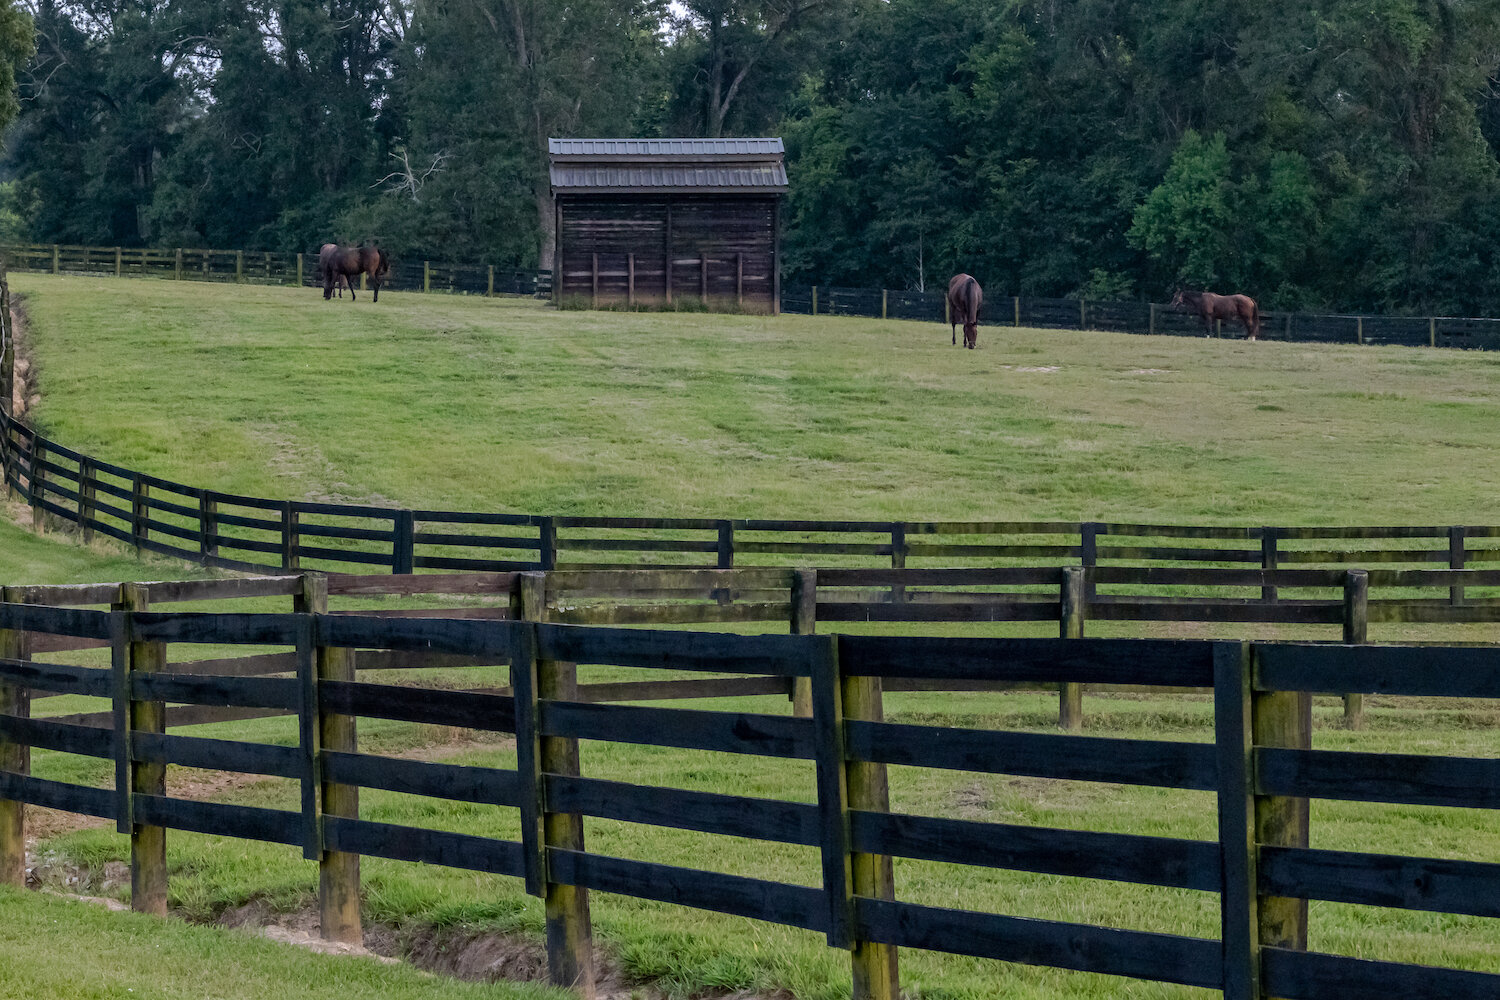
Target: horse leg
375,289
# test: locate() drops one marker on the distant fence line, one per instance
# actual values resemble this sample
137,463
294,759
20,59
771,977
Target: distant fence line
263,267
1259,766
1144,318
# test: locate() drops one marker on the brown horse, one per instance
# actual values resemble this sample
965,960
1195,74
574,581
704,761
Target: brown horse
349,261
1209,307
964,299
340,282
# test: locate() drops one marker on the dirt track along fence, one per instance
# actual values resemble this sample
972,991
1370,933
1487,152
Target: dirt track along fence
1259,766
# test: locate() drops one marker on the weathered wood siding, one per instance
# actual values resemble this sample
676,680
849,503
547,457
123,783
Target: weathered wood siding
721,249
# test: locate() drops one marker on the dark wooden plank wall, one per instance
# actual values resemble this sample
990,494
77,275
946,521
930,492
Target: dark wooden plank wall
729,231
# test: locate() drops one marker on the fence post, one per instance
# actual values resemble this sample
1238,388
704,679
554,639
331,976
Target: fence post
594,302
845,785
898,559
1431,332
547,555
1235,752
15,700
119,262
140,494
299,270
876,975
55,255
426,275
1245,720
1151,323
804,622
630,280
290,559
208,526
1016,302
1268,557
815,301
725,558
148,844
1356,630
239,266
38,481
570,949
1456,556
1083,314
885,303
403,542
1359,329
87,497
338,871
178,272
489,290
1074,605
1088,554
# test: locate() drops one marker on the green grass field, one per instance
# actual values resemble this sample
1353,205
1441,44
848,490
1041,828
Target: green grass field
507,405
115,956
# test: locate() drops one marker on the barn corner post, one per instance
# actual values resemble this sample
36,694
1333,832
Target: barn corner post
148,844
570,936
330,732
1356,631
1072,614
804,622
15,757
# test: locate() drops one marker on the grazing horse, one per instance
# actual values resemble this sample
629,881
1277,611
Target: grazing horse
1231,307
335,261
964,299
340,282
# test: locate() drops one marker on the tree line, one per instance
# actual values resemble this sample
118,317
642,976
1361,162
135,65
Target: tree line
1319,154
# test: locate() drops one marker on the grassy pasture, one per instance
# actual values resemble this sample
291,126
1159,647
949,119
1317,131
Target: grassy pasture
506,405
127,956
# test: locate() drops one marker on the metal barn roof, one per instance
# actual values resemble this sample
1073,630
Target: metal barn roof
666,166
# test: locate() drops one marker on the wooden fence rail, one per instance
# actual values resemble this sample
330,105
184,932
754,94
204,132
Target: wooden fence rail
1259,765
1439,573
264,268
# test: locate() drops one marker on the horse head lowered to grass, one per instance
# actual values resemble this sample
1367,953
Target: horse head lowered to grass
964,300
335,261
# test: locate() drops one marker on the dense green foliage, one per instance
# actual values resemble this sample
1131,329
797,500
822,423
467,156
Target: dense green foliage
1330,155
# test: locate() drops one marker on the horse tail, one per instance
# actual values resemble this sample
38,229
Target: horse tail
1254,318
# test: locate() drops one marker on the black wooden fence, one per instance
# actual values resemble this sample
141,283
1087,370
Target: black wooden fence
1145,317
1134,572
1259,765
263,267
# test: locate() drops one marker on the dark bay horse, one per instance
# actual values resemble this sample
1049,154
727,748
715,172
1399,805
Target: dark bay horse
1235,308
334,261
964,299
340,281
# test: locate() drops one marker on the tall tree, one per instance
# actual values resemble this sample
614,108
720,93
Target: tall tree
732,60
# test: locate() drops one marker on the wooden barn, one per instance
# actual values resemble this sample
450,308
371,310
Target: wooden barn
664,221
